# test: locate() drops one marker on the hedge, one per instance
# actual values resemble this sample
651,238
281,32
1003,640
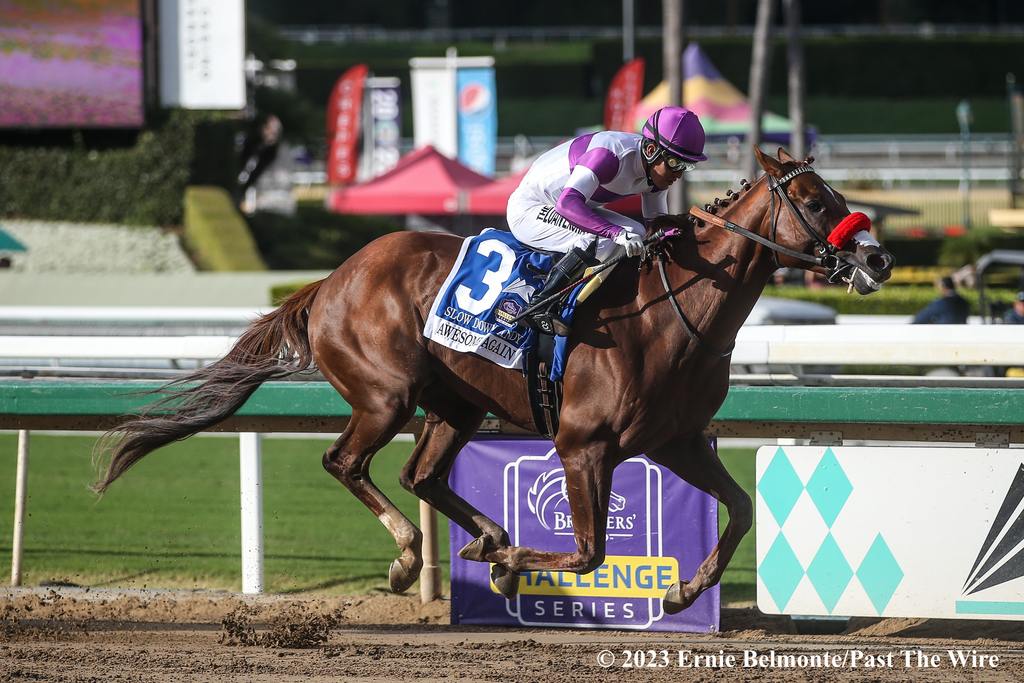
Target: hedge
314,238
216,234
137,185
887,301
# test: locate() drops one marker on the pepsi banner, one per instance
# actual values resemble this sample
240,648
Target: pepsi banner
659,529
477,118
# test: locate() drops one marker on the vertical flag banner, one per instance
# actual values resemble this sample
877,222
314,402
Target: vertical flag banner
478,118
624,93
343,114
433,105
659,529
384,102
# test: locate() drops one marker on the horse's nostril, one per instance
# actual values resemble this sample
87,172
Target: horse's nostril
878,262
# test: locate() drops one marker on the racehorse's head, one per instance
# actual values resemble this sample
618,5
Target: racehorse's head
810,217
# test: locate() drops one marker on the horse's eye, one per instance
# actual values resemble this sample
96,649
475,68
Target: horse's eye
815,206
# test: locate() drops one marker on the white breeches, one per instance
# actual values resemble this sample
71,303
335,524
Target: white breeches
541,227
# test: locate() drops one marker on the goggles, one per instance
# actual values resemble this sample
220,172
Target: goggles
677,164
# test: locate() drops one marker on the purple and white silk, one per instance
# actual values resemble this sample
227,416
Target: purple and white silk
559,203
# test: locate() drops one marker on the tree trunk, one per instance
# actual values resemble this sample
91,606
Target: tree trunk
797,85
672,43
760,64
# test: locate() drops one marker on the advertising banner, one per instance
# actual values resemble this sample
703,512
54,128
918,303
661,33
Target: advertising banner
343,113
624,93
659,529
891,532
478,118
384,130
433,105
202,54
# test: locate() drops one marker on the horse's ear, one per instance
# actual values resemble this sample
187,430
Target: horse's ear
769,163
785,156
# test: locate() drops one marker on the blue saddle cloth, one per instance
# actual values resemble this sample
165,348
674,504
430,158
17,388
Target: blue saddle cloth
491,283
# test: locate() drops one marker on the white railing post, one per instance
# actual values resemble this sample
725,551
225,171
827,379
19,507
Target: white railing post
251,478
430,575
20,493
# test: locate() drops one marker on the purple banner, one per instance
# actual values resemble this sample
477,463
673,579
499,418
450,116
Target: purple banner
659,528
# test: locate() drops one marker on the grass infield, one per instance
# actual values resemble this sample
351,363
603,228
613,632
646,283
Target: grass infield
173,520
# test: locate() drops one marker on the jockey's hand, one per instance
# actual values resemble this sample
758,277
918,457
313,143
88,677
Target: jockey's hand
633,244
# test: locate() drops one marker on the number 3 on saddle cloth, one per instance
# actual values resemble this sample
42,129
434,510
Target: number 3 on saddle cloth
490,284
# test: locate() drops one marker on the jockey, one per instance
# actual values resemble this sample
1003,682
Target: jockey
558,206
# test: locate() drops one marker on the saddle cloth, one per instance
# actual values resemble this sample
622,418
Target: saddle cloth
491,283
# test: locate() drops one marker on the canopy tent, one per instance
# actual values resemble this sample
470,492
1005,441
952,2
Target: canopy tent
723,110
424,182
491,200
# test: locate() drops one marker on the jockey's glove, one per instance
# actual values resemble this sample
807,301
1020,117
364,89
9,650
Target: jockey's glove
633,244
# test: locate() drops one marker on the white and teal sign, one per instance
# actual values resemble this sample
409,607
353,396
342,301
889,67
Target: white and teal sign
911,532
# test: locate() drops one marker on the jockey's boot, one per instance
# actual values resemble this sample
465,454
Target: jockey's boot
562,274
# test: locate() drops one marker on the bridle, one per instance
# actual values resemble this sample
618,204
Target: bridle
826,255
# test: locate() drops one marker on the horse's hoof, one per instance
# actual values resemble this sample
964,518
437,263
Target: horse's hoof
507,582
401,577
477,549
675,601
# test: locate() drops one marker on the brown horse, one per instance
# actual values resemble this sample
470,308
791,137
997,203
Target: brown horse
648,369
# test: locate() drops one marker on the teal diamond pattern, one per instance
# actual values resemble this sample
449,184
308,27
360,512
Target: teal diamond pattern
780,571
829,487
829,572
780,487
880,573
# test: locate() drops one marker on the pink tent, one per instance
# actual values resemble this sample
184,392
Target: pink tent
424,182
490,200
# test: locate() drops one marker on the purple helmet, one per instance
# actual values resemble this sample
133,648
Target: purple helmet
677,131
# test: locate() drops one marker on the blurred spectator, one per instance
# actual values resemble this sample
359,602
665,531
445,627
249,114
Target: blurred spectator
1015,315
949,309
259,150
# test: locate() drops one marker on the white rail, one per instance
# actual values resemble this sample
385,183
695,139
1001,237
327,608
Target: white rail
877,344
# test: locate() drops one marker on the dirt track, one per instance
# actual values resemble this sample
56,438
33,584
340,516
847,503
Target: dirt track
76,635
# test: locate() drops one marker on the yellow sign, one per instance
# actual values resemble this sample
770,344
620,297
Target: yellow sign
621,576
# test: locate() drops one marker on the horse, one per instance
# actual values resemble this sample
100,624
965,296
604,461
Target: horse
648,369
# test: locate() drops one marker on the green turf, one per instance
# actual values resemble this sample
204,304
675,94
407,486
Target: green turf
173,520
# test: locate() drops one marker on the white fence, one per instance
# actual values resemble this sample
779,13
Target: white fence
875,344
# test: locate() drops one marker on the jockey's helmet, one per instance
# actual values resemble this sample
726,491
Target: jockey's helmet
677,133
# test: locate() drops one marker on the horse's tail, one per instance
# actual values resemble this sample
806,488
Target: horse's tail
274,346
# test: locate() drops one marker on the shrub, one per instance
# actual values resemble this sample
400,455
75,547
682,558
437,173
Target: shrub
887,301
314,238
138,185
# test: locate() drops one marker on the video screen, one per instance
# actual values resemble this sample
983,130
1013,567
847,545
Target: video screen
70,64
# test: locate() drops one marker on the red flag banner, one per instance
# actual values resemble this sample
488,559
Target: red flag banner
623,94
344,110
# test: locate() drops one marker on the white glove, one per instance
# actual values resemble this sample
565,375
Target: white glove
633,244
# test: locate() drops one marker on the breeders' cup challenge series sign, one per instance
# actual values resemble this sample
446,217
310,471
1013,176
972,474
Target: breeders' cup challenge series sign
659,529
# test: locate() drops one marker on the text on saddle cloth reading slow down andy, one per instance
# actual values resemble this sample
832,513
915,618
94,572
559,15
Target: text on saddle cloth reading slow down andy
659,529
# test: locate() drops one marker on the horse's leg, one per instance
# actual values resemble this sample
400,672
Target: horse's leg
348,460
426,476
588,483
695,462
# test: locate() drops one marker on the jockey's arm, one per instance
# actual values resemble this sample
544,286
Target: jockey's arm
592,169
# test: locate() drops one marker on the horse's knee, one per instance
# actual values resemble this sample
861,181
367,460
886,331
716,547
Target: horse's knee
344,468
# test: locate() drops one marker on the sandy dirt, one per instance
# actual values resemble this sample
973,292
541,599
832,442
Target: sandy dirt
82,635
